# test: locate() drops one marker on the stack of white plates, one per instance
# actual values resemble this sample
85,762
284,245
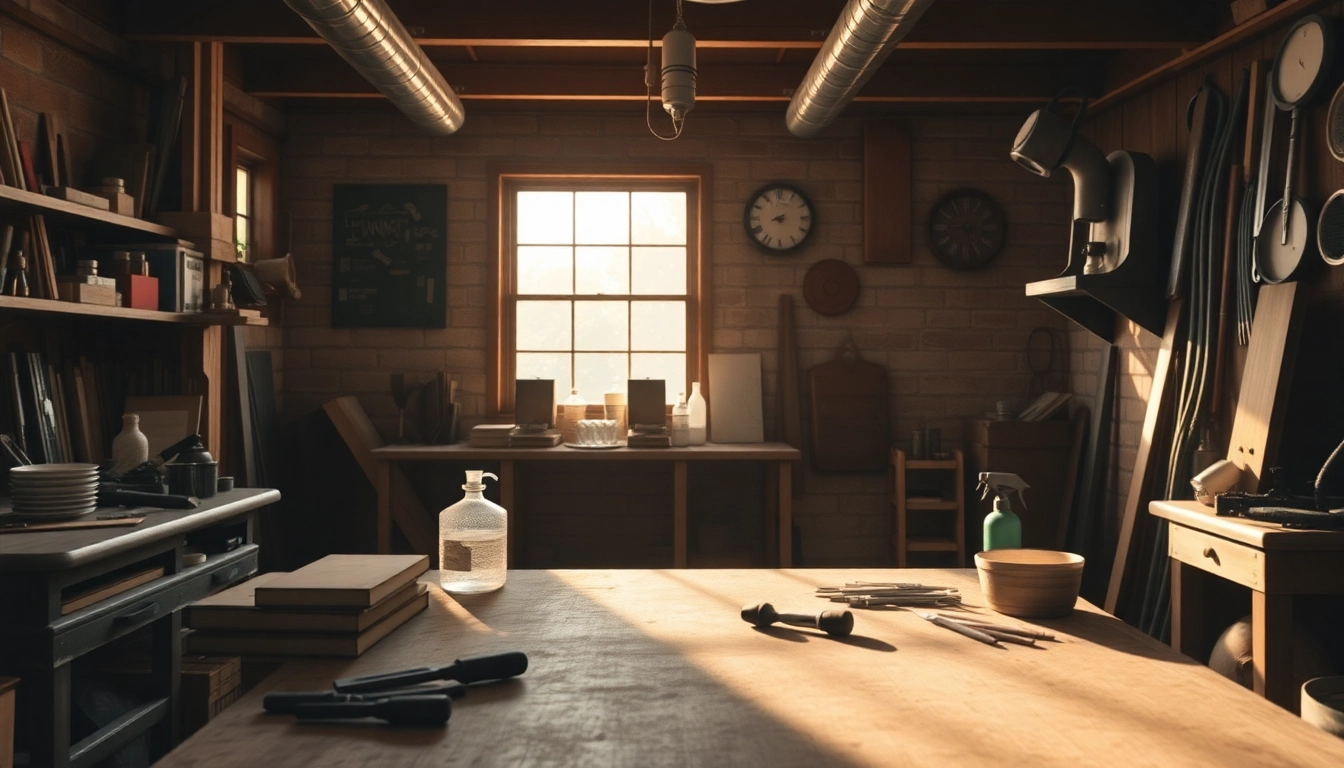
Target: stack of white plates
54,491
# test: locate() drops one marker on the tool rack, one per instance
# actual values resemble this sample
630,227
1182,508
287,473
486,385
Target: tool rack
951,502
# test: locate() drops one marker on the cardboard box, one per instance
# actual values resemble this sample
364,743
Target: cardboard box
142,292
83,293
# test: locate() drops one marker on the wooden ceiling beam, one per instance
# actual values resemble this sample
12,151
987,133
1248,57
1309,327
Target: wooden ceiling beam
309,77
803,24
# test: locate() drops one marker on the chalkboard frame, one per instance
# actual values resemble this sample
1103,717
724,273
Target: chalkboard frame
395,280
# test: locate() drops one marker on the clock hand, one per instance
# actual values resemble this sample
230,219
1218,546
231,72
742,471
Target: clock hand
780,217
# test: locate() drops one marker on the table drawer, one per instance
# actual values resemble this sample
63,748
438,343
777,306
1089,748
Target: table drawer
101,622
1221,557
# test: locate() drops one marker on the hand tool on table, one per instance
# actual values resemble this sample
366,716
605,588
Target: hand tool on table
287,702
985,626
971,632
128,498
833,623
861,594
426,710
472,669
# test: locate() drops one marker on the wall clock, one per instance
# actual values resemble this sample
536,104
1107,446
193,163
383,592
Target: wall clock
966,229
779,217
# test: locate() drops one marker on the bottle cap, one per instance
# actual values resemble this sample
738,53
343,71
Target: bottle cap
475,479
574,398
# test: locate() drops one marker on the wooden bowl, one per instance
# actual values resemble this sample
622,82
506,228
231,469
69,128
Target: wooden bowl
1030,583
1323,704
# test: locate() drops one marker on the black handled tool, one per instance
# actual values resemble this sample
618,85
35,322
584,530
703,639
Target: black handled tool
833,623
287,702
431,710
125,498
492,666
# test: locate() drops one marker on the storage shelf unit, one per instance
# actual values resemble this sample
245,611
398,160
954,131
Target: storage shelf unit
64,212
952,477
20,304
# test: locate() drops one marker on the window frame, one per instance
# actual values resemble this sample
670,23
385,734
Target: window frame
505,179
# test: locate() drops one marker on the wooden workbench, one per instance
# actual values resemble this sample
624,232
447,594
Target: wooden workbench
1276,563
777,455
654,668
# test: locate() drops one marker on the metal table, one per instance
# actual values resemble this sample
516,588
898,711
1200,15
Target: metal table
39,641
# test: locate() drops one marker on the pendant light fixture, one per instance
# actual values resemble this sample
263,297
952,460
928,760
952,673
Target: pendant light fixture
678,75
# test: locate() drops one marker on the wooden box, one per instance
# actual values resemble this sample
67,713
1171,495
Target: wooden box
141,292
7,686
83,293
1038,452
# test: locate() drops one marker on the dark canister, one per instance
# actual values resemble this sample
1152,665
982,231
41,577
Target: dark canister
194,473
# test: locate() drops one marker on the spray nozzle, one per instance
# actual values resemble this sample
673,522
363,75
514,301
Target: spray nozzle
476,479
1001,484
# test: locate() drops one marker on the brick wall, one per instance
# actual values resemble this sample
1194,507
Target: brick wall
952,341
97,105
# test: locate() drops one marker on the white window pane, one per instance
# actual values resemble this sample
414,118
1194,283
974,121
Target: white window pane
658,325
240,229
597,374
545,269
601,325
602,270
658,218
242,188
545,218
546,365
602,218
542,325
669,368
658,271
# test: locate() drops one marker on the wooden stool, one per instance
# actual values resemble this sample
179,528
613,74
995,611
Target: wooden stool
904,504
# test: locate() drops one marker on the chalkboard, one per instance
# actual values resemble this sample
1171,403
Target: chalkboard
389,249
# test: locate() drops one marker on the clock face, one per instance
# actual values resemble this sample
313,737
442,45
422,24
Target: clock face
779,218
1301,63
967,229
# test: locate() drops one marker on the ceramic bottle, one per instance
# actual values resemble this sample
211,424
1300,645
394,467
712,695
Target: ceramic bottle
130,448
699,412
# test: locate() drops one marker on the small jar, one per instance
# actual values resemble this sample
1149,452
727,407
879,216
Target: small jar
139,266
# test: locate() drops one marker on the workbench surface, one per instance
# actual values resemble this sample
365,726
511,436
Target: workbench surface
651,668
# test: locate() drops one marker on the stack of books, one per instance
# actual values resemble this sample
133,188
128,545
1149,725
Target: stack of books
522,437
337,606
490,436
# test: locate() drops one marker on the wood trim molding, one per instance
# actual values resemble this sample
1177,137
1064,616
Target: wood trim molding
499,398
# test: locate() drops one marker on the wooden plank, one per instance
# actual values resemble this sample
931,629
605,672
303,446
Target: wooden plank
348,581
788,406
1068,499
7,686
1187,610
1265,383
1279,16
1147,463
898,468
1272,649
362,438
1267,536
887,192
652,634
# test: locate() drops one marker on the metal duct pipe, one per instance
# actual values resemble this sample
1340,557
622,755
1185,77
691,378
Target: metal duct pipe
863,37
372,39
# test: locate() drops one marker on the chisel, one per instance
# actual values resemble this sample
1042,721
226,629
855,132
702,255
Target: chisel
432,710
287,702
494,666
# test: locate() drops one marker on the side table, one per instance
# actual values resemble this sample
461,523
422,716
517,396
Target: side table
1274,562
40,638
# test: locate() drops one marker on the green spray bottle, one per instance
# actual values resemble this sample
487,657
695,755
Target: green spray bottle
1003,529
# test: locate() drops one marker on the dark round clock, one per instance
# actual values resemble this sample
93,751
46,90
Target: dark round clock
966,229
778,217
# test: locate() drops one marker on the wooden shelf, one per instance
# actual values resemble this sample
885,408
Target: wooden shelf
930,463
931,545
925,503
74,214
1280,15
50,307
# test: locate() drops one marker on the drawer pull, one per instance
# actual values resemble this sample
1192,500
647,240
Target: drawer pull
141,613
1210,553
225,576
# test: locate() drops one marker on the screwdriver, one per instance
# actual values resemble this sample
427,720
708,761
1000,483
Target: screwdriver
428,710
287,702
472,669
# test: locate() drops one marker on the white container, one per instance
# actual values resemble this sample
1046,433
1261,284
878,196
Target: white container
681,422
699,415
130,448
574,408
614,409
473,541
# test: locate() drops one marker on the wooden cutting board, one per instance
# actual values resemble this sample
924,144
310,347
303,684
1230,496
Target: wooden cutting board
851,413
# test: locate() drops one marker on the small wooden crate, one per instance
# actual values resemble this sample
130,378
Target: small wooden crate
7,686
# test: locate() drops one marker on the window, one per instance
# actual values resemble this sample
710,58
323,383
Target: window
243,212
599,283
